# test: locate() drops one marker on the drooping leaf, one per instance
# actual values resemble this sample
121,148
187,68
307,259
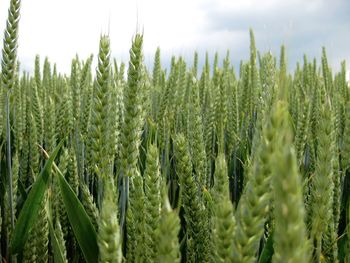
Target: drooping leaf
267,252
32,205
57,253
79,220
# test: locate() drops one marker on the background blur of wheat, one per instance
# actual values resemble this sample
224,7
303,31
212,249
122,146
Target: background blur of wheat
189,165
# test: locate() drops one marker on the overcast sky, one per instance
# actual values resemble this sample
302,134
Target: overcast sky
61,28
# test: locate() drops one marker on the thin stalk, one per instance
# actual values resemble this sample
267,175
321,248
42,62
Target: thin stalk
123,202
8,158
9,165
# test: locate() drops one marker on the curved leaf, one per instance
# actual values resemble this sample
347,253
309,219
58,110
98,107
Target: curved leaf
57,253
32,204
267,252
82,227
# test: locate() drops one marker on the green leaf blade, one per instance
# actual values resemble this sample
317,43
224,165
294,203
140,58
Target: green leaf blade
31,206
79,220
267,252
57,253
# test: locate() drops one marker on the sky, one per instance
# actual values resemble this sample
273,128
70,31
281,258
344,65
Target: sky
60,29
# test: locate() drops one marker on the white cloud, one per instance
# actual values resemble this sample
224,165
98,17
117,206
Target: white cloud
60,29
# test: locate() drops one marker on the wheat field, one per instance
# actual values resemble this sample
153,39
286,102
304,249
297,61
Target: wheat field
125,163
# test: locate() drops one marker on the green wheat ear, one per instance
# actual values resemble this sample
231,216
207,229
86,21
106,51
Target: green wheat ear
86,97
131,136
41,230
196,136
109,241
18,110
152,183
290,241
322,183
253,207
9,51
64,118
192,203
135,219
132,126
168,247
8,81
61,241
224,219
75,89
99,132
89,204
156,69
29,251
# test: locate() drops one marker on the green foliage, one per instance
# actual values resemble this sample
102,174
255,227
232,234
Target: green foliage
79,221
58,243
31,207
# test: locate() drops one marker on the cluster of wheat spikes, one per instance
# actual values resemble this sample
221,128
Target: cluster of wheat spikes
178,166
